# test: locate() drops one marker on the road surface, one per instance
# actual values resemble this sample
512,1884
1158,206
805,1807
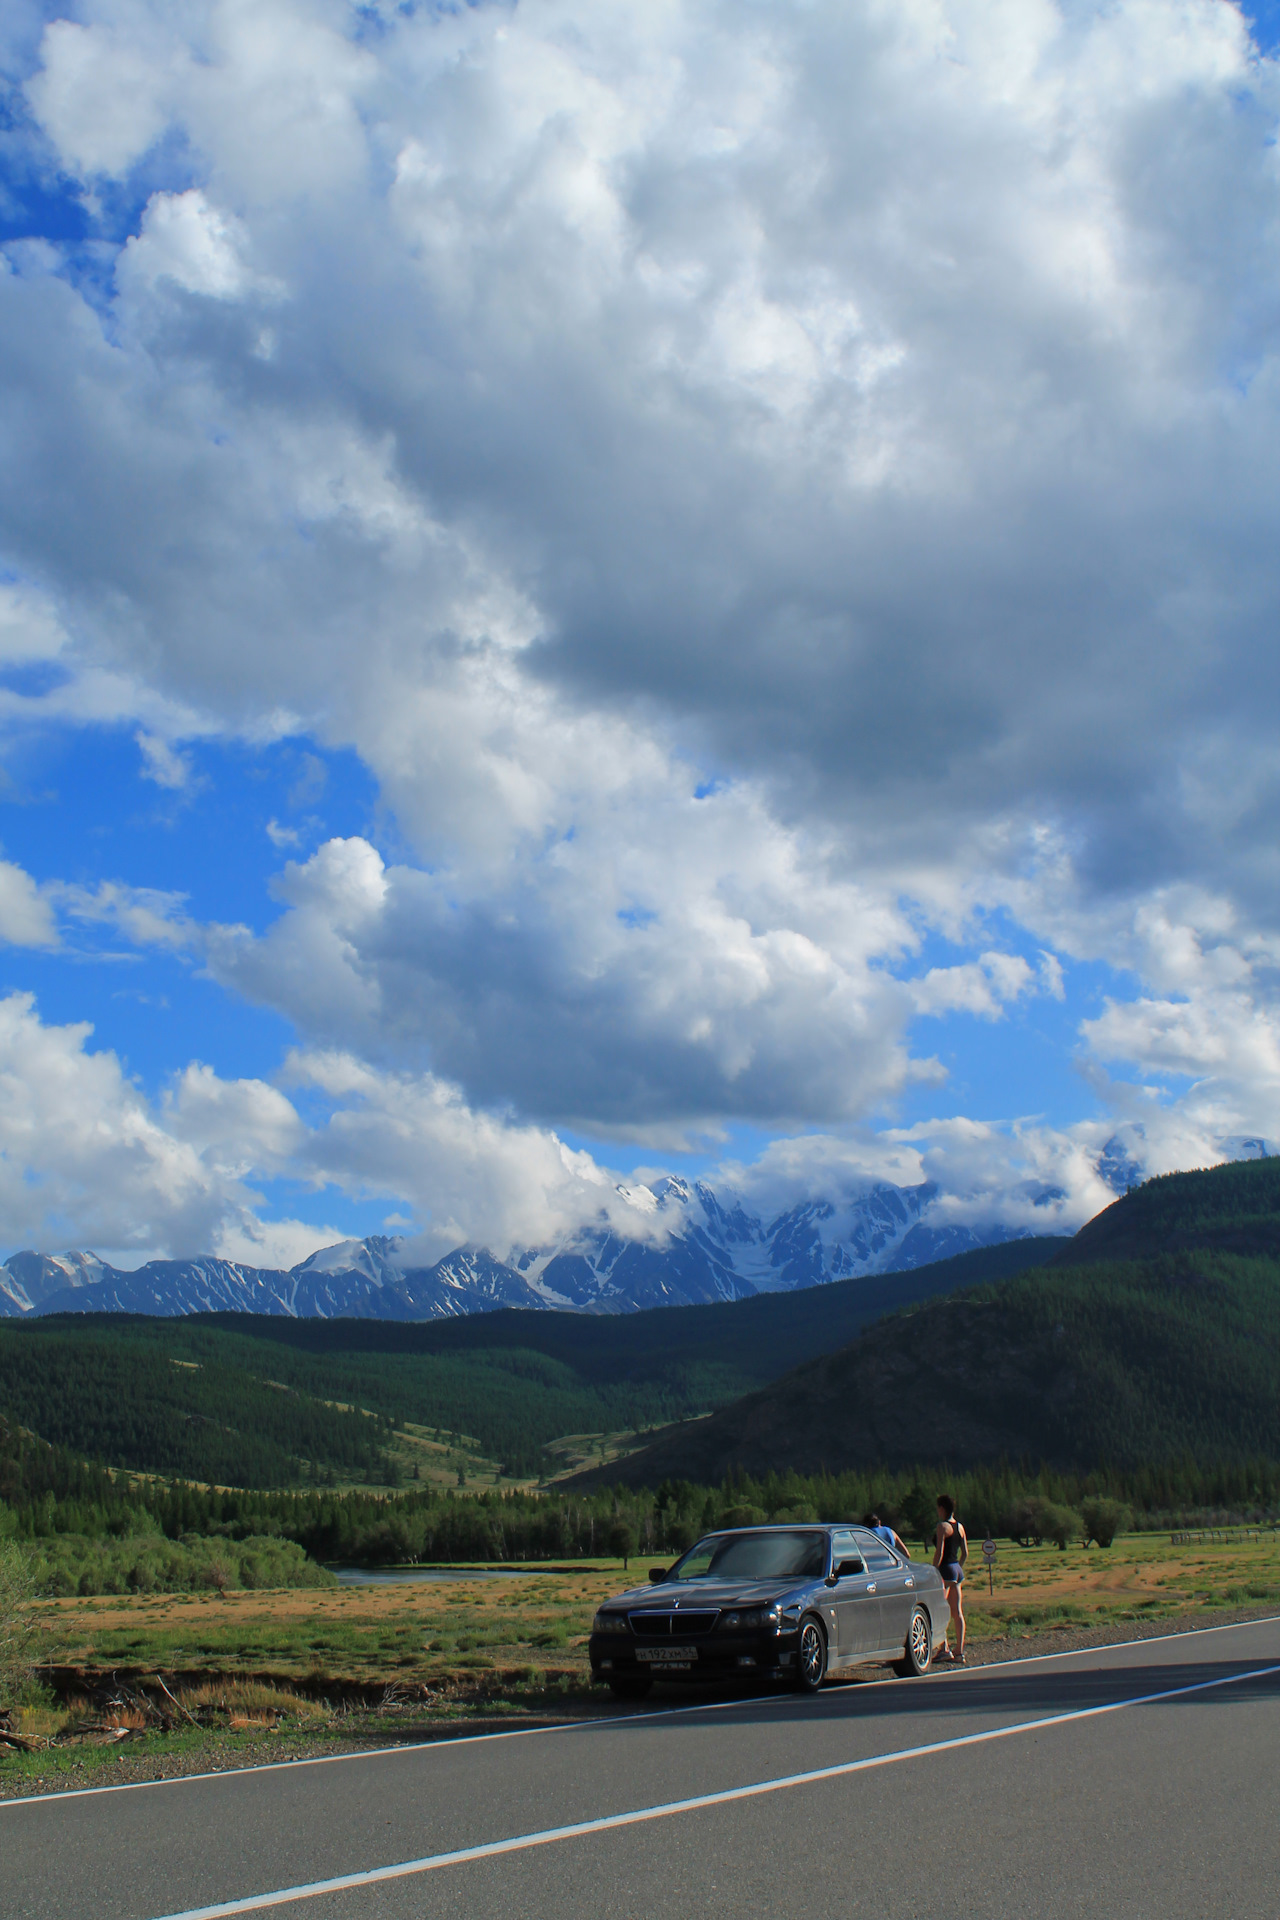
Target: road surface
1125,1781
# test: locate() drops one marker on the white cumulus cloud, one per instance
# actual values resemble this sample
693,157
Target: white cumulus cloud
754,489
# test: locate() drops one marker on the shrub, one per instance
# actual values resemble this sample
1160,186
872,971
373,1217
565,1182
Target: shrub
1026,1520
1102,1520
1060,1524
70,1563
17,1623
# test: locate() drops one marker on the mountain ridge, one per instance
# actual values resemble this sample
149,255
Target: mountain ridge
1155,1332
692,1247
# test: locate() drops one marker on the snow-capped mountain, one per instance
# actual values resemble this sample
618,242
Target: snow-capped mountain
690,1245
700,1247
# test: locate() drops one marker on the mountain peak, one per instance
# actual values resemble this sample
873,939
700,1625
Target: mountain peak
709,1247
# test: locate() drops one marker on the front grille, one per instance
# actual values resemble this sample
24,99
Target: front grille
656,1625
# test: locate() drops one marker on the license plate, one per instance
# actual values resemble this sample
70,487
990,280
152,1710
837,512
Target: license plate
669,1656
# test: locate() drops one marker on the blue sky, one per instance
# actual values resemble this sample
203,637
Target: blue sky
565,612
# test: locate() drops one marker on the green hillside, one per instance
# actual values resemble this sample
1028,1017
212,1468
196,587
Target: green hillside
1235,1209
246,1401
1094,1360
756,1338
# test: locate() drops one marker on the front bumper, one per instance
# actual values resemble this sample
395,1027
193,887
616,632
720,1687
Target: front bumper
716,1656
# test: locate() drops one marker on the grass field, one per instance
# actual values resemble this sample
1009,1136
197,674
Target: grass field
435,1634
425,1633
1142,1577
338,1664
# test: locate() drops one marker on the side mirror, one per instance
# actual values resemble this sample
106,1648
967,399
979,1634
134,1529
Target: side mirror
849,1566
658,1575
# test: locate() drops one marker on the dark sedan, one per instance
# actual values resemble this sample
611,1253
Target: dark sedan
782,1604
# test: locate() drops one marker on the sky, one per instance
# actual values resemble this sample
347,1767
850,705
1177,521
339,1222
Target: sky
592,591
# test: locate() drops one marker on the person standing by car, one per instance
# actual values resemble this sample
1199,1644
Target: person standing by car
874,1524
950,1551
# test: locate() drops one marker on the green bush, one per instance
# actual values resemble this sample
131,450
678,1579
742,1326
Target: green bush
1025,1520
17,1624
744,1516
1102,1520
70,1563
1060,1524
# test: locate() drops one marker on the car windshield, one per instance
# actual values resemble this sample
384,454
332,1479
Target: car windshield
754,1556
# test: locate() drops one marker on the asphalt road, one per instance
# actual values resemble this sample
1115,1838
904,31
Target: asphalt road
1123,1781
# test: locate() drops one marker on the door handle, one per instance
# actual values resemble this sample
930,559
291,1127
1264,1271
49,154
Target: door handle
871,1586
911,1583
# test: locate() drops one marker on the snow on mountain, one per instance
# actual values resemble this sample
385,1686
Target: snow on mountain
373,1258
37,1275
690,1246
697,1246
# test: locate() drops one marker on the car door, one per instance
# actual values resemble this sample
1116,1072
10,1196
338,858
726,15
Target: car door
895,1590
856,1600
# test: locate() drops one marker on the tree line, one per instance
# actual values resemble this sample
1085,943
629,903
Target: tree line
46,1492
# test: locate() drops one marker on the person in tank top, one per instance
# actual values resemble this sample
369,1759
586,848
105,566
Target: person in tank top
950,1549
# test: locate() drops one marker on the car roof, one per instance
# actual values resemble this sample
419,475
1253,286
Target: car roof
790,1526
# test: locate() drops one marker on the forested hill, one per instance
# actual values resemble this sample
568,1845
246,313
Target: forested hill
1172,1351
758,1338
1235,1208
265,1402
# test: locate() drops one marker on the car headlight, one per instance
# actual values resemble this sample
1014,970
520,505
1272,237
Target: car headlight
748,1617
610,1623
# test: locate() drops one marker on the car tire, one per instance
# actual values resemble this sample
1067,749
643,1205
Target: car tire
918,1651
811,1655
630,1689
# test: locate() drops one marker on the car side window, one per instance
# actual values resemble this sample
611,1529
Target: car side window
844,1547
878,1557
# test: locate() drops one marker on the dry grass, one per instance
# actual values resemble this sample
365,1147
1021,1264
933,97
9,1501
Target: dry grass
533,1627
1142,1577
419,1634
248,1700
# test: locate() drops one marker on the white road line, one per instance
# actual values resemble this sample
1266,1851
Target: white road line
549,1836
446,1743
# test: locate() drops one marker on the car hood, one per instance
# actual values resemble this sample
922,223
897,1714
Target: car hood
691,1595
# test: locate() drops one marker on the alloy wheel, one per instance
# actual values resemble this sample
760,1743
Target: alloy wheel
920,1648
812,1656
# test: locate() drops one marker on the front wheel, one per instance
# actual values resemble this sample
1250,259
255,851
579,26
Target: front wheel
631,1689
919,1648
811,1656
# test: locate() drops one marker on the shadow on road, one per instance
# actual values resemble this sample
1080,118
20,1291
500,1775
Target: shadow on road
973,1695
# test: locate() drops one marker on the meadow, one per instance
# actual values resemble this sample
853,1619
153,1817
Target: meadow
300,1669
1144,1577
437,1634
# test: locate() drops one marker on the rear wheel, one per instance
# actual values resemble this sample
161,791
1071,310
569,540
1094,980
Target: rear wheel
811,1656
919,1648
629,1689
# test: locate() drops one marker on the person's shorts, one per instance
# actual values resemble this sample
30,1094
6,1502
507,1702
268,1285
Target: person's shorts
952,1572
